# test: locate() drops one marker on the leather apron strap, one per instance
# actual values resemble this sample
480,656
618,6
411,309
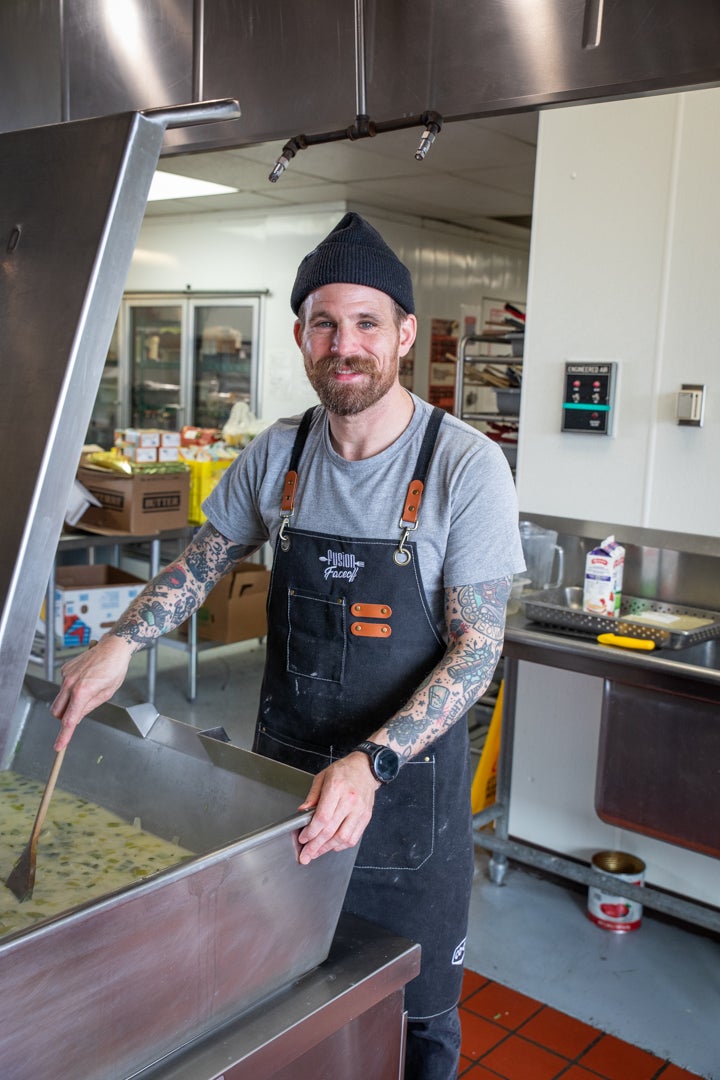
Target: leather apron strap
411,508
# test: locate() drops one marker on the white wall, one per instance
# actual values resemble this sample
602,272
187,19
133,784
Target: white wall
262,251
625,265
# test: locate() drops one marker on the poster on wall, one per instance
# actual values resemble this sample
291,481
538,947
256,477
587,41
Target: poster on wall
443,363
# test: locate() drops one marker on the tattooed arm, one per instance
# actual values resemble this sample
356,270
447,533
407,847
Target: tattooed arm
344,793
165,602
475,619
178,590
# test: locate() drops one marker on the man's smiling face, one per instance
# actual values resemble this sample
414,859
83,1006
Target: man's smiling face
351,340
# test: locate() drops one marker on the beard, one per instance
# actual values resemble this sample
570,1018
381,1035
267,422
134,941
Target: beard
349,399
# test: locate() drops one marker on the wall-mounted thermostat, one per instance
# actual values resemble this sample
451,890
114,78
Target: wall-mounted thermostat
589,398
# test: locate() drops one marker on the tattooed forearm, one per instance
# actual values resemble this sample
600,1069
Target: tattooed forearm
475,618
179,590
210,556
437,697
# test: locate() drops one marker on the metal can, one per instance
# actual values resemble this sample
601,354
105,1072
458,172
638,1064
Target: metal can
616,912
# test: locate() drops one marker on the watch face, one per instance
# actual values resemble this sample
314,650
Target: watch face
386,764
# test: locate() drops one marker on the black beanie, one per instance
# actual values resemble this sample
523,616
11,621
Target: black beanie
354,254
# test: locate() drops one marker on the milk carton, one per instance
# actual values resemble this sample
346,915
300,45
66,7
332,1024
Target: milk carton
602,591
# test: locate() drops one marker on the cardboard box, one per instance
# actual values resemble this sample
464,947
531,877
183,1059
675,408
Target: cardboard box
235,610
602,588
141,455
170,438
89,599
145,437
139,504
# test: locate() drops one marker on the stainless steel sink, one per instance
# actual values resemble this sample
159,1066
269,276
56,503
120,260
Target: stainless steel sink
706,654
671,626
566,596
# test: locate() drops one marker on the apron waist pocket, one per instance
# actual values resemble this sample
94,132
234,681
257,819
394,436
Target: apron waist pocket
401,833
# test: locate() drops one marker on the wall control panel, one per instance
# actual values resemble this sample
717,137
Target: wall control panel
589,398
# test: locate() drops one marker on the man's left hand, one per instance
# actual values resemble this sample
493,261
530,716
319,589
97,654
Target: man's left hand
343,796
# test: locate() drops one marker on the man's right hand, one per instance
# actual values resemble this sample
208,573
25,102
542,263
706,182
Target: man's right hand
89,680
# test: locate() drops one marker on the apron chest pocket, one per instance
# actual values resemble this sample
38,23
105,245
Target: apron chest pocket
317,639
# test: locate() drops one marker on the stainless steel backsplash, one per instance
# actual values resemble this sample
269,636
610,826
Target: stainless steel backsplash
675,567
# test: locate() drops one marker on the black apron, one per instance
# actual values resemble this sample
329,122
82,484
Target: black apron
350,638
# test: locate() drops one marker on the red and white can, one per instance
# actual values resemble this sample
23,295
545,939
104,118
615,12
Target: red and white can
616,912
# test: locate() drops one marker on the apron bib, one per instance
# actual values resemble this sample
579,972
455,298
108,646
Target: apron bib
350,637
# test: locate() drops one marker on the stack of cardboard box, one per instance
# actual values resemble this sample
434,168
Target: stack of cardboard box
144,446
140,487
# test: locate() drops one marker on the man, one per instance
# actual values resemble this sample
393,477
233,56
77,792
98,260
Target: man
396,538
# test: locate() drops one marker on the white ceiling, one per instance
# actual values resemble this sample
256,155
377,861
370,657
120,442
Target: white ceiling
477,173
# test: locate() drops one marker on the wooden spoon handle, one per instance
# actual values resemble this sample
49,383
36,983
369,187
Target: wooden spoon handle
47,795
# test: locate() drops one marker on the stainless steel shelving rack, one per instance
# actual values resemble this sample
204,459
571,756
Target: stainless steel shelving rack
467,362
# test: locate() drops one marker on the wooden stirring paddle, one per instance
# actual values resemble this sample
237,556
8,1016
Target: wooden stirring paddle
22,876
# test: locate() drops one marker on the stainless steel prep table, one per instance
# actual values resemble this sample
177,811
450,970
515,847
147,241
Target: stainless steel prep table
663,671
345,1019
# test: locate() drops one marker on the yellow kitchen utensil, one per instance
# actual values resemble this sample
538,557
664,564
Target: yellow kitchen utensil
626,642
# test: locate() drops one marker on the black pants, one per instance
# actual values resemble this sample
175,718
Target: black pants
433,1047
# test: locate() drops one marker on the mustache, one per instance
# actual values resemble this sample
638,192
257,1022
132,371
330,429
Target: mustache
332,365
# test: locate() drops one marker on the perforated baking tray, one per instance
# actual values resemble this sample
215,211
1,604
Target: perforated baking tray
672,626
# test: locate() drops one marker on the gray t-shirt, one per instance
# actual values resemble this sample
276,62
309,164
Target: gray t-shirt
468,520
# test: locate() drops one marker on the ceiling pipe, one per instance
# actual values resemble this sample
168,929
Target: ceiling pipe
360,94
363,127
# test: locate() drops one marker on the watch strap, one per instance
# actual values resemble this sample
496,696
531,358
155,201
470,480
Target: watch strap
368,747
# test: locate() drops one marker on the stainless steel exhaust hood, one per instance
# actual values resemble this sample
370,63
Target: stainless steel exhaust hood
72,199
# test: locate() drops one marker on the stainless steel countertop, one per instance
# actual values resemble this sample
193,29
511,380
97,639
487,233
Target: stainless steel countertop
671,670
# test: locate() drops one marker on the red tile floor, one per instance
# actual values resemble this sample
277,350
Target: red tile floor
513,1037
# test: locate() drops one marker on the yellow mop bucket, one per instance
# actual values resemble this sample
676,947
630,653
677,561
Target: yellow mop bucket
484,785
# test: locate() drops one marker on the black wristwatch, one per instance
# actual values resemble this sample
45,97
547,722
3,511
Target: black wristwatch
384,762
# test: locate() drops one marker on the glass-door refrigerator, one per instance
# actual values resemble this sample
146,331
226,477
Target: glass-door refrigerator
224,361
179,359
156,336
